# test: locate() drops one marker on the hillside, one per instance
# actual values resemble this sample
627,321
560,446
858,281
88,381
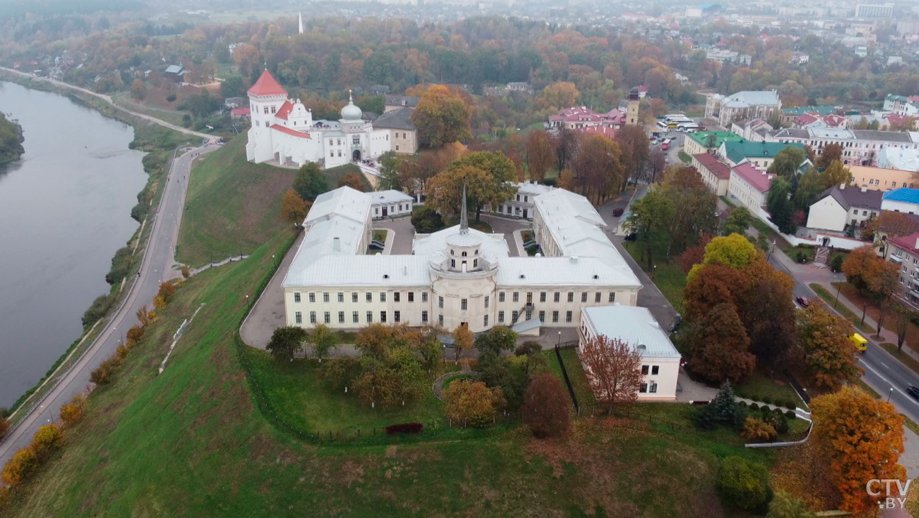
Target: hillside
11,140
233,205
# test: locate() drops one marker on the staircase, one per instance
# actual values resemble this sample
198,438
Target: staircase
823,253
522,313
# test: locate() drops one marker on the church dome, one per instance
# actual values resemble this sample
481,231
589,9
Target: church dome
351,112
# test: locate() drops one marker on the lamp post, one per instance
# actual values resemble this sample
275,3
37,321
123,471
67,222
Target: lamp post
889,393
558,343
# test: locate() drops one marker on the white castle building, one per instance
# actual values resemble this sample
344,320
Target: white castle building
283,130
457,276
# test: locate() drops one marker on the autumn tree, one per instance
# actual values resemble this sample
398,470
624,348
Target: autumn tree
695,203
487,178
859,438
720,346
138,90
904,317
293,208
472,403
613,369
442,116
787,162
826,351
4,426
836,174
546,407
352,180
832,152
737,221
324,339
566,147
598,168
891,224
496,341
310,181
285,342
557,96
732,250
650,218
872,277
463,340
779,205
540,154
636,151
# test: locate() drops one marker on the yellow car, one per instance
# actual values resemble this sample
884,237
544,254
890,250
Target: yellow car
861,343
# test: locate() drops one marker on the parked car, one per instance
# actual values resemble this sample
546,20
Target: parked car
618,211
802,301
913,390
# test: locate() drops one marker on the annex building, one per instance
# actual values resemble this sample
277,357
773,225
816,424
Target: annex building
283,130
457,276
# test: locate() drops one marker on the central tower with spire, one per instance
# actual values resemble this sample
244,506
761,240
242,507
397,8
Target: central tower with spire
464,218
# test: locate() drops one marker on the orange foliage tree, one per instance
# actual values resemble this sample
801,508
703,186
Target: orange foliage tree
874,278
352,180
293,207
860,438
613,369
719,346
546,407
540,154
825,348
442,116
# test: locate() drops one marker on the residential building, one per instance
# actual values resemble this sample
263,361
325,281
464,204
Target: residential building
703,141
175,73
742,105
760,154
749,186
904,200
715,173
861,147
880,179
403,135
585,120
904,251
636,326
841,206
390,204
869,10
397,102
521,204
457,276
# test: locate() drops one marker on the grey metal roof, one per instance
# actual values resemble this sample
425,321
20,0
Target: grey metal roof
852,196
890,136
400,119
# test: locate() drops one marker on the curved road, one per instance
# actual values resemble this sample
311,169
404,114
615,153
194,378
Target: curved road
157,264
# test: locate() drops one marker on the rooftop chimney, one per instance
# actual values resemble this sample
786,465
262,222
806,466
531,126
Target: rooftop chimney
842,187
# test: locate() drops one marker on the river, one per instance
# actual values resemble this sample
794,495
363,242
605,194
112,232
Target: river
64,211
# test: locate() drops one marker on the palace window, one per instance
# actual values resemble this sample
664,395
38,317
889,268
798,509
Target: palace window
312,298
570,296
341,297
440,302
557,297
500,317
369,317
424,296
325,296
424,317
555,316
354,317
382,296
501,297
396,296
584,297
612,296
327,318
542,296
369,297
353,296
298,317
341,317
655,369
396,316
487,298
383,316
312,317
411,296
296,296
464,303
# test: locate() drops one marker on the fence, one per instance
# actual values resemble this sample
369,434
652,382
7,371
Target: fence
561,363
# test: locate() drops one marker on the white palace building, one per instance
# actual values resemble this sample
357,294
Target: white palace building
283,130
457,276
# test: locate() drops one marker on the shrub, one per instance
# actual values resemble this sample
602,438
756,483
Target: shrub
47,439
97,310
426,220
472,403
102,375
789,404
744,485
407,428
72,412
19,466
836,263
758,430
170,98
4,426
546,407
791,414
766,399
121,264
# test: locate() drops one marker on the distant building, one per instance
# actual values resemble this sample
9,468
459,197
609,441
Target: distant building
841,206
396,102
749,186
402,132
521,204
742,105
904,252
390,204
636,326
880,179
903,159
702,141
585,120
861,147
758,154
885,10
175,73
904,200
715,173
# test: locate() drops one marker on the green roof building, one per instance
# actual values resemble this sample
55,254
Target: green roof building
760,154
699,141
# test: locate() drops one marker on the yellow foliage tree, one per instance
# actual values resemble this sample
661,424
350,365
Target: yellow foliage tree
72,412
860,438
293,207
472,403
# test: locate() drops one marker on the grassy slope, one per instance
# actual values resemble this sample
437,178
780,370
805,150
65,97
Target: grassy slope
234,205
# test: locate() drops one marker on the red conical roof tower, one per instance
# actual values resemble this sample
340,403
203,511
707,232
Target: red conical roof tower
266,85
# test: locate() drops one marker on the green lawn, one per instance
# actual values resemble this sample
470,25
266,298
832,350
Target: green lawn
575,372
297,394
758,386
668,276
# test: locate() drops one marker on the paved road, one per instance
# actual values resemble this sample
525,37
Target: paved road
158,264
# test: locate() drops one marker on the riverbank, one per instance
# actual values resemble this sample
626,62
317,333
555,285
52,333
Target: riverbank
11,139
159,145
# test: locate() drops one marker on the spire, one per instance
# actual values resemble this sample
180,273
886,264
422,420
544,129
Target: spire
464,219
300,22
350,97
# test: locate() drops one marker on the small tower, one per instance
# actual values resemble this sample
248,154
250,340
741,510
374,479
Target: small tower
631,113
265,99
464,218
300,23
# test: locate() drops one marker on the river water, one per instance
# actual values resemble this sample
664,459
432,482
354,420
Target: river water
64,211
